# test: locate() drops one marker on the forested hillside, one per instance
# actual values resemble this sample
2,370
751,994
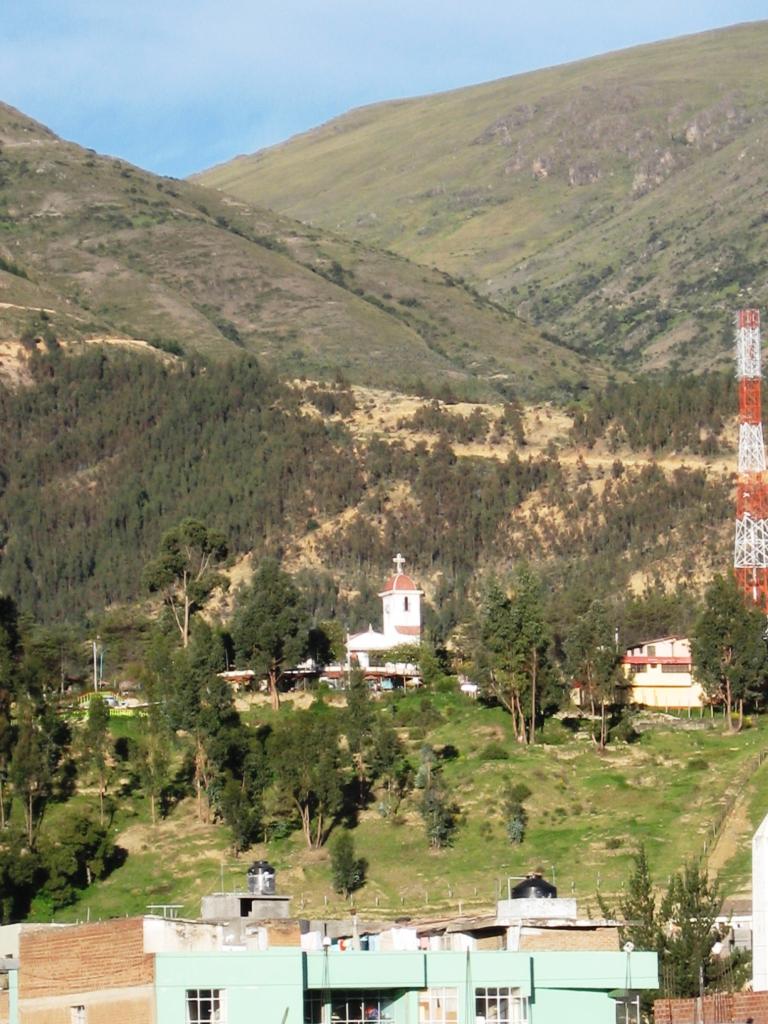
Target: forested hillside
108,250
616,202
105,450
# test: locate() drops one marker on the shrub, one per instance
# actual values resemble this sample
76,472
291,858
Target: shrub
347,870
494,751
515,815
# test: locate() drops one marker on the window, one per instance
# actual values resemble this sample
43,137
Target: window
438,1006
651,650
77,1015
405,604
500,1006
313,1008
359,1007
205,1006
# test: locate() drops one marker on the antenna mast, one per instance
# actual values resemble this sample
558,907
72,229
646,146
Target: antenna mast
750,557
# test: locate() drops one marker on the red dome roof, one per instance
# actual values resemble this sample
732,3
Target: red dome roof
399,582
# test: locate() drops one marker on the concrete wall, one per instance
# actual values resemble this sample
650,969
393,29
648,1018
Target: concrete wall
264,987
557,1006
541,909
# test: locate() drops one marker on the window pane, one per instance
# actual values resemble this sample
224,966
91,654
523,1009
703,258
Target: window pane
205,1006
500,1006
438,1006
359,1007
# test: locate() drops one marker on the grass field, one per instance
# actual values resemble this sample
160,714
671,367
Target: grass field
587,814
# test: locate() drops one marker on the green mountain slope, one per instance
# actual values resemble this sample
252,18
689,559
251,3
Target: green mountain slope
618,201
110,250
106,449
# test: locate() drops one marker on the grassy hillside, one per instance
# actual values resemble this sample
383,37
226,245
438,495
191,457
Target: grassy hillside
109,250
616,201
587,814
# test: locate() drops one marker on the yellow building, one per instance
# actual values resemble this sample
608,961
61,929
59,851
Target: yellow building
659,674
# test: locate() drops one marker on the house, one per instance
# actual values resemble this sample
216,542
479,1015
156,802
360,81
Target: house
401,616
659,674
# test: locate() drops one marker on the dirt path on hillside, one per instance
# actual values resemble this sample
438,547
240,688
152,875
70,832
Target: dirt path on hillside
735,831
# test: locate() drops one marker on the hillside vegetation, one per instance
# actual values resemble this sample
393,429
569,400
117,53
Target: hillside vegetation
105,249
108,448
617,202
586,815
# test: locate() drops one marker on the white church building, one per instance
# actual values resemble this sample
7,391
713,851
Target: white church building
401,615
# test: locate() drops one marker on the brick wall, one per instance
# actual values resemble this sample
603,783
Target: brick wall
722,1008
98,1011
110,954
751,1004
100,966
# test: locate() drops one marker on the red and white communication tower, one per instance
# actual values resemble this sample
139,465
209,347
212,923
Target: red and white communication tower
750,557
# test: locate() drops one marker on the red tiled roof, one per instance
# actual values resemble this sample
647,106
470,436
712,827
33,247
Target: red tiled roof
656,659
399,582
409,630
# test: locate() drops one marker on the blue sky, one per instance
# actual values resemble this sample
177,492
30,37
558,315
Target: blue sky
178,86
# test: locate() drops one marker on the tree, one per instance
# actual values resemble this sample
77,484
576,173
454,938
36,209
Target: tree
240,813
153,757
184,571
689,909
493,657
19,876
30,771
270,627
96,743
327,642
55,651
514,641
256,775
531,638
592,661
358,719
80,851
202,705
438,810
10,648
439,813
304,756
388,762
515,815
680,924
347,870
729,655
637,907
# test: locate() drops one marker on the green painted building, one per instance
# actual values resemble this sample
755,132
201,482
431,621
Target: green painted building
288,986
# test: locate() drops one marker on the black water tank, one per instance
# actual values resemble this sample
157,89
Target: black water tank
534,887
261,878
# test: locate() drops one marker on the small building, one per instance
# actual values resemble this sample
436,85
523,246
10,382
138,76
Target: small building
659,674
401,615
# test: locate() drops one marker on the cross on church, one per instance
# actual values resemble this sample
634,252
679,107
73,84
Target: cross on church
399,562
